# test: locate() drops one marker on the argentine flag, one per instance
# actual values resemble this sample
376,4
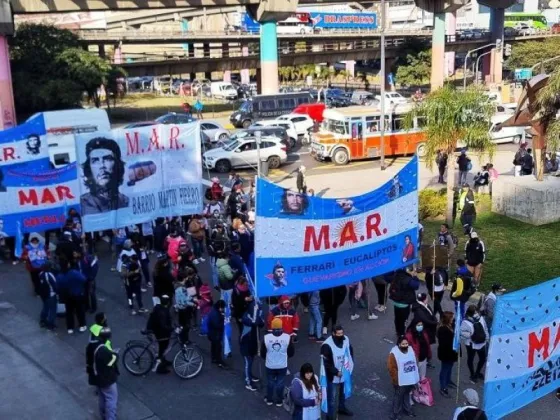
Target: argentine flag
457,331
18,251
346,373
323,385
227,327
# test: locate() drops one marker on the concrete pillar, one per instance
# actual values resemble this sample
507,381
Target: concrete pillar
451,26
118,56
102,50
190,50
497,31
438,51
245,77
227,76
269,58
350,68
7,107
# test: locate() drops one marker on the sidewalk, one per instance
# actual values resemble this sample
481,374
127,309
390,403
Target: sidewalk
43,377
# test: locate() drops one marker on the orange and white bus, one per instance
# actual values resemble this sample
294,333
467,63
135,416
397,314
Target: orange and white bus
352,133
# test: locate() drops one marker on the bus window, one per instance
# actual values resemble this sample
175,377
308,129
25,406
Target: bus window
372,124
398,124
357,131
338,127
420,122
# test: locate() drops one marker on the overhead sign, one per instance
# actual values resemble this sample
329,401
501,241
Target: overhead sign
523,74
344,20
136,175
524,358
307,243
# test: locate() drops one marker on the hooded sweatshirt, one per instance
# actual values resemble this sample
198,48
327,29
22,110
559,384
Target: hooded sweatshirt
252,320
35,256
289,317
240,305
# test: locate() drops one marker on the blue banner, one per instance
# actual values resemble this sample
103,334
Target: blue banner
344,20
136,175
524,358
307,243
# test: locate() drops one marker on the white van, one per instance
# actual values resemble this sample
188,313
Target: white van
293,25
514,135
223,90
62,127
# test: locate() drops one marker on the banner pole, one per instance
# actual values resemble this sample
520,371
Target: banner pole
433,273
458,375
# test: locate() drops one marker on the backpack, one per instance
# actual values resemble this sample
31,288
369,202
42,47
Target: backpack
399,292
441,278
181,297
478,335
469,166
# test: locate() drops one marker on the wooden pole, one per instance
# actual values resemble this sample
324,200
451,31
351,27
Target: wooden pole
434,272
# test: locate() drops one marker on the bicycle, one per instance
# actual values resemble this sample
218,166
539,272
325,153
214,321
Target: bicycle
140,356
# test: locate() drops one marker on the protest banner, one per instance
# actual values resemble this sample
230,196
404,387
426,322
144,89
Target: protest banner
307,243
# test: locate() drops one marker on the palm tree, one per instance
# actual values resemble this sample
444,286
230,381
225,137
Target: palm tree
306,70
284,73
547,106
346,75
453,117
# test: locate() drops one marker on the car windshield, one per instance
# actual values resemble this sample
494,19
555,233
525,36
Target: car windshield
245,106
228,147
239,135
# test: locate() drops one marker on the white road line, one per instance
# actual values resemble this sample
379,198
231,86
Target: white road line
367,392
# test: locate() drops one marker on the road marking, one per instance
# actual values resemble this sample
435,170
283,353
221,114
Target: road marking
367,392
278,172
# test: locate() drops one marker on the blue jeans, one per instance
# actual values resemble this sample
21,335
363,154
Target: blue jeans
445,374
315,321
198,247
335,392
107,398
275,384
48,313
463,177
248,368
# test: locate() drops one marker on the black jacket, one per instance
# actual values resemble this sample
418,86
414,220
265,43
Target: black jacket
326,354
240,305
463,162
445,351
163,284
333,297
300,181
106,365
475,252
160,322
65,248
215,324
160,233
421,314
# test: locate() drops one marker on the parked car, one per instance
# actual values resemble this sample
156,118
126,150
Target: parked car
301,122
214,131
140,124
243,153
287,125
509,32
336,101
175,118
524,29
392,98
500,134
270,131
360,97
224,90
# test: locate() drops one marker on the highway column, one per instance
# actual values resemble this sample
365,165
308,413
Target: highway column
450,26
269,58
438,52
7,107
497,18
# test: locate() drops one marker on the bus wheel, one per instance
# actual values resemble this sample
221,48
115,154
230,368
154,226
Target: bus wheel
421,150
246,124
340,157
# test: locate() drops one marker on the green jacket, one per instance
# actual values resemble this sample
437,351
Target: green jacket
95,329
225,274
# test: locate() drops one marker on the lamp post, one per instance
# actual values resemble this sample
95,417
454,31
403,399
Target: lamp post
467,56
476,66
382,76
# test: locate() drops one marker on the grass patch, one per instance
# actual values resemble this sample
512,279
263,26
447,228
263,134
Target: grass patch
518,255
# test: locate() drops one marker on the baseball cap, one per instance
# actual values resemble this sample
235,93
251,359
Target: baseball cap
471,396
276,324
474,235
497,287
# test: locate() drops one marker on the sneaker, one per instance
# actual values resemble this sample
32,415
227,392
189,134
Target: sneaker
250,387
142,310
133,312
354,317
201,259
149,284
382,308
82,329
70,331
15,262
278,404
196,262
269,403
305,310
372,316
325,331
144,290
255,379
113,269
321,339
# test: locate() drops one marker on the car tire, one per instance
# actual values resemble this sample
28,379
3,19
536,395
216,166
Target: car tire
421,150
340,157
223,166
246,124
293,142
274,162
223,137
516,140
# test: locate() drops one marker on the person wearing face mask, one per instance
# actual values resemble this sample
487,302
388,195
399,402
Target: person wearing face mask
334,352
474,334
276,348
419,340
403,370
489,304
161,325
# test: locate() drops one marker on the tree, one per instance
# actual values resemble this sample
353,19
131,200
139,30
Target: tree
346,75
453,117
527,54
417,69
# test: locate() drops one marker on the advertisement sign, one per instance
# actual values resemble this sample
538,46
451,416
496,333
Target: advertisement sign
523,74
344,20
307,243
524,358
136,175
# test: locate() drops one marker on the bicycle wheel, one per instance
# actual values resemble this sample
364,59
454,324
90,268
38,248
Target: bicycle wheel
187,363
138,359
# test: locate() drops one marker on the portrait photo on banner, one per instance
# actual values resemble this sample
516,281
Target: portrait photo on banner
306,243
135,175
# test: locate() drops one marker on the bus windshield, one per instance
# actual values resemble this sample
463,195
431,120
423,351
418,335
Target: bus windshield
335,126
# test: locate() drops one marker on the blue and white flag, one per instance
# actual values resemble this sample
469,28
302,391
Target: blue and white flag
347,367
323,385
227,326
19,241
457,331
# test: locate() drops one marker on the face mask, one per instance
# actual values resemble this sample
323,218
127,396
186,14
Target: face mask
277,332
419,328
338,340
404,349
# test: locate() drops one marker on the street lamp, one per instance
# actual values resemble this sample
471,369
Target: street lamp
476,66
465,64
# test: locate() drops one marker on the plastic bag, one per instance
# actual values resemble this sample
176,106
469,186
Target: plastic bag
423,393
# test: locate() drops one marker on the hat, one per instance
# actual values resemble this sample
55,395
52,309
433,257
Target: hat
474,235
471,396
215,180
497,287
284,299
67,233
276,324
421,297
103,143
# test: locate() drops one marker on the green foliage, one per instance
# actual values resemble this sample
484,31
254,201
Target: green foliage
548,104
431,203
527,54
51,70
416,69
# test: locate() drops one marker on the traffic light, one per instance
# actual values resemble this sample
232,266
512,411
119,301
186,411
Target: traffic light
498,44
507,50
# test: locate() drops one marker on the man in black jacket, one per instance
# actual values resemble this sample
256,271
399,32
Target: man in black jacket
467,206
106,372
402,291
161,325
475,254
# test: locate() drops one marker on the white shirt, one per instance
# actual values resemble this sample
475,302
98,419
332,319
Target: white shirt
276,351
310,413
125,252
406,366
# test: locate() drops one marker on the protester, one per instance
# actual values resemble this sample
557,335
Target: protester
402,292
315,317
124,257
48,293
276,348
71,288
470,410
196,231
474,334
448,239
301,180
287,315
216,332
163,279
419,340
436,282
106,372
489,304
198,107
240,300
475,254
88,265
463,286
482,178
381,284
445,352
518,158
35,256
464,164
331,299
306,394
161,325
185,302
144,257
65,247
441,162
403,370
119,238
467,206
133,284
252,320
527,163
422,312
337,356
94,342
226,276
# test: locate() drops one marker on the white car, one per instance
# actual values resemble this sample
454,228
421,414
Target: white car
243,153
287,125
392,98
301,122
499,134
214,131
